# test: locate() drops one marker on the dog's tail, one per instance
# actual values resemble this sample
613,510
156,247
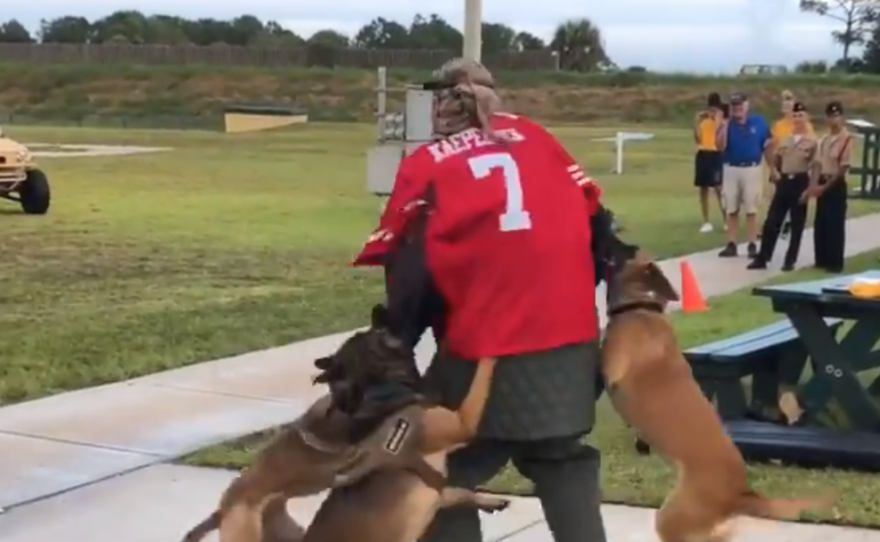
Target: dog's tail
200,531
756,505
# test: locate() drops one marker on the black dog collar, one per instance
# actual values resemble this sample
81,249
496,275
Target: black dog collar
654,306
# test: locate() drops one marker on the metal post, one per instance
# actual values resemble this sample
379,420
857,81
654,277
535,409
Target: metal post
618,151
381,101
473,29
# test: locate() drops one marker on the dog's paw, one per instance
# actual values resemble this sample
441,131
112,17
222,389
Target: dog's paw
494,505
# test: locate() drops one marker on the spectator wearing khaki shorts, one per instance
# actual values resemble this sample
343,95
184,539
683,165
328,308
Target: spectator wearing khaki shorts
745,142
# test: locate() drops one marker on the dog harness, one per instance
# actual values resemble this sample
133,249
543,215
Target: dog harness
395,444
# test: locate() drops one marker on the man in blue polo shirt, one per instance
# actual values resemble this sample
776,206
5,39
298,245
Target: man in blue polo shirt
744,141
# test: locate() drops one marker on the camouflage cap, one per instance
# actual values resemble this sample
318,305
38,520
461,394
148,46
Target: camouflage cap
460,70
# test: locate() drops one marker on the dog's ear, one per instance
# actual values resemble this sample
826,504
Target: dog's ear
324,364
379,317
656,280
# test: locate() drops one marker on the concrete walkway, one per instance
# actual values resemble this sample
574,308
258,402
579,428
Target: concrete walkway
60,443
162,502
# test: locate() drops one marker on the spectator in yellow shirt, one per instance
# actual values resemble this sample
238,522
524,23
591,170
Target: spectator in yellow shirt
784,127
781,129
707,161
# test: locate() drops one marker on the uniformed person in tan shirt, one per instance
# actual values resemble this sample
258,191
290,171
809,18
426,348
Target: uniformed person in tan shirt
783,128
793,157
828,186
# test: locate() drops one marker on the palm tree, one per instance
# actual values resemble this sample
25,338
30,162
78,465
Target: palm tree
580,47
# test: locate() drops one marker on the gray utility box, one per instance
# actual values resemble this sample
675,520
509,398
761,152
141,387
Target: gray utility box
399,135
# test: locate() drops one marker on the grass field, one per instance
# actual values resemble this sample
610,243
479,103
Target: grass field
233,243
629,478
194,96
229,244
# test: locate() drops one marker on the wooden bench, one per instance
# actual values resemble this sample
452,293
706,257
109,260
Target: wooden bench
772,355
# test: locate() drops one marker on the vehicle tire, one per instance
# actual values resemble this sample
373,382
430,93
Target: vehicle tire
34,193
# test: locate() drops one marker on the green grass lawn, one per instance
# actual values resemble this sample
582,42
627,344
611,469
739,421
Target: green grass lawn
629,478
234,243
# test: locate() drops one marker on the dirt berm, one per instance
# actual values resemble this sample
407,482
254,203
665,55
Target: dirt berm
73,92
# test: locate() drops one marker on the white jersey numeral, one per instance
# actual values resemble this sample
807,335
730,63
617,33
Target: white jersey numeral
515,217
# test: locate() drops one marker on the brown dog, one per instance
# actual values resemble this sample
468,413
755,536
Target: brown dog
303,459
397,505
653,390
315,452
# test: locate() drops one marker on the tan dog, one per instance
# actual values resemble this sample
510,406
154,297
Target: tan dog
653,390
303,459
315,452
397,505
319,449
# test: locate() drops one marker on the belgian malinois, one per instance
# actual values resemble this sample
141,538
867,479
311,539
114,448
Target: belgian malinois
397,505
374,403
653,389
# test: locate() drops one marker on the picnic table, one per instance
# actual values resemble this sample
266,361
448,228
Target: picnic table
832,332
836,360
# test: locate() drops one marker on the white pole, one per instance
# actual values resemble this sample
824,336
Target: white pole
473,29
619,152
382,100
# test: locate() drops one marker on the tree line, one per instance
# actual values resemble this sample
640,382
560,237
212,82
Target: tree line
577,42
858,24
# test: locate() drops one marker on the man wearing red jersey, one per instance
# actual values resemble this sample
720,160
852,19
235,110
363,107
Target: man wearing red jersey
487,238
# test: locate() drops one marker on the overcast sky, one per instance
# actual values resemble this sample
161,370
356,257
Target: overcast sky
663,35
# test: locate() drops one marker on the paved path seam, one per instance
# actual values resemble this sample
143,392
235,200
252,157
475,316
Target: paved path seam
82,444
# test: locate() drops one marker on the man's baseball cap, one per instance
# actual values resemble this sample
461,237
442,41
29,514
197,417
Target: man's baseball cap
834,108
738,98
799,107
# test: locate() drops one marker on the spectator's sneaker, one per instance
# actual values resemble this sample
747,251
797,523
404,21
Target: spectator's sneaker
729,251
753,250
786,229
757,263
787,267
706,228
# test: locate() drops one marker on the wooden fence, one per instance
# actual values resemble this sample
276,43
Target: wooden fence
274,57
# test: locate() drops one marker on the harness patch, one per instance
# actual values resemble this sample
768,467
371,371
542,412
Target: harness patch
398,436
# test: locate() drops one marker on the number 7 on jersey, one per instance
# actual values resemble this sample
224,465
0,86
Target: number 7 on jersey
515,217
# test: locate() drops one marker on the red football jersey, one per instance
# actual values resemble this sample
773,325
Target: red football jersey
508,241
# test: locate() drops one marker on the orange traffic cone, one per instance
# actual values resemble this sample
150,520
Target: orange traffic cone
692,299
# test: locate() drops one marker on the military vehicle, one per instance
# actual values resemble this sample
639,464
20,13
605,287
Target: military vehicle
20,178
